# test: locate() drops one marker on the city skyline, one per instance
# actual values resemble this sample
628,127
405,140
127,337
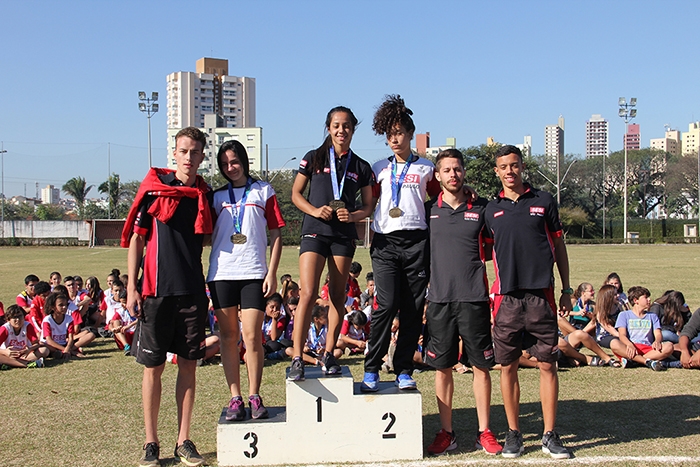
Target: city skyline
73,71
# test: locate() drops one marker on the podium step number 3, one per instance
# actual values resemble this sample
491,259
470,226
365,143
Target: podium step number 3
327,419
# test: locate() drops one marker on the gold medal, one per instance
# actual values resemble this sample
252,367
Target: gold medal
239,239
336,204
395,212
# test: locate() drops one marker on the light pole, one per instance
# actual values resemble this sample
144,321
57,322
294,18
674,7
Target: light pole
280,169
627,112
2,168
149,107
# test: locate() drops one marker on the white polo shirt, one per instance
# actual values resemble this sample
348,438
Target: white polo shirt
420,179
229,261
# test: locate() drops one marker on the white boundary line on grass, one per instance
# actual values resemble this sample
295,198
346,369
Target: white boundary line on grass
532,461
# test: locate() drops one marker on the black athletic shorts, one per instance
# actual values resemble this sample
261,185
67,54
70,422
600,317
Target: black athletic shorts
525,319
447,322
246,293
327,246
171,324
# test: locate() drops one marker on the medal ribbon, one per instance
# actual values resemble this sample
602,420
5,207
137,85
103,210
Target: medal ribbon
337,190
397,184
236,209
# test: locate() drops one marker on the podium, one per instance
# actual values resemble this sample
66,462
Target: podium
327,419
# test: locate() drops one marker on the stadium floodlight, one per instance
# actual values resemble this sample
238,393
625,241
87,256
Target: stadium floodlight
149,108
627,113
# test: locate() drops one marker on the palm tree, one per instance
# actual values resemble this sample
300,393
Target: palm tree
114,193
76,187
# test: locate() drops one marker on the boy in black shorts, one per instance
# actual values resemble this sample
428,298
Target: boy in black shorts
527,237
458,300
169,217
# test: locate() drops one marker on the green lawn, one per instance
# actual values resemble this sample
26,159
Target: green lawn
87,412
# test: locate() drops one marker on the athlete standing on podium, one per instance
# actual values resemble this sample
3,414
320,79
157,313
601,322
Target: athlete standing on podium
335,175
400,248
238,273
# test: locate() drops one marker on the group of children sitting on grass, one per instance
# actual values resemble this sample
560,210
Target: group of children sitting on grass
57,319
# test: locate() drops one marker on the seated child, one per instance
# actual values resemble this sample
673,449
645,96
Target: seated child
57,328
690,342
315,344
367,296
273,327
640,332
19,342
352,333
212,344
83,335
36,314
25,297
122,325
582,313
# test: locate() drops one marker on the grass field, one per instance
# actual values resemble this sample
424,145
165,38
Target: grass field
87,412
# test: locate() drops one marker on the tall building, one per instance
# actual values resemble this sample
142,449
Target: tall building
596,136
554,144
222,106
423,145
689,144
633,138
210,90
526,147
217,134
50,195
671,142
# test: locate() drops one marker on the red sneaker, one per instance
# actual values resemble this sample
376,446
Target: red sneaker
444,441
487,441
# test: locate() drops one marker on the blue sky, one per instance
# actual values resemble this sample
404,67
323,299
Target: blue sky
71,71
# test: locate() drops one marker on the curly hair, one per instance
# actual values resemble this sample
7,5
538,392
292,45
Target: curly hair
390,113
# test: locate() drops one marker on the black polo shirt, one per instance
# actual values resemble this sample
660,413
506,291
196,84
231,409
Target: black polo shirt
522,230
172,264
457,271
358,175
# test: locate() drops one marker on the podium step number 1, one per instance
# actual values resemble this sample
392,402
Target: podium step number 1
327,419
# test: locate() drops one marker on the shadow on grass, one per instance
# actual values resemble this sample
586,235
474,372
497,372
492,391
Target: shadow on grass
586,424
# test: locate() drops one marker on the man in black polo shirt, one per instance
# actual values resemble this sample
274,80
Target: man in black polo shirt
527,237
169,217
458,300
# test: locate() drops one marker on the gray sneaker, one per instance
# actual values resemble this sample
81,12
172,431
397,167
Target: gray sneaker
257,409
151,452
513,446
188,455
330,366
552,445
296,370
236,410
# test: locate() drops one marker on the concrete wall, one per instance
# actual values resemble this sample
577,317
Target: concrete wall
48,229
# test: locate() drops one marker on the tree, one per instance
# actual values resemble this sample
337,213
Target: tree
682,186
572,217
114,192
76,187
129,190
49,212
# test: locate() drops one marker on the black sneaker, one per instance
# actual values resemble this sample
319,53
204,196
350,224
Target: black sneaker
329,365
551,444
188,455
296,371
151,452
513,446
655,365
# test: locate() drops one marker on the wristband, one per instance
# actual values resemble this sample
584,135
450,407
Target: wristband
568,291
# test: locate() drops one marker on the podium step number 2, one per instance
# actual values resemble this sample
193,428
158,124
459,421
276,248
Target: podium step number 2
327,419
